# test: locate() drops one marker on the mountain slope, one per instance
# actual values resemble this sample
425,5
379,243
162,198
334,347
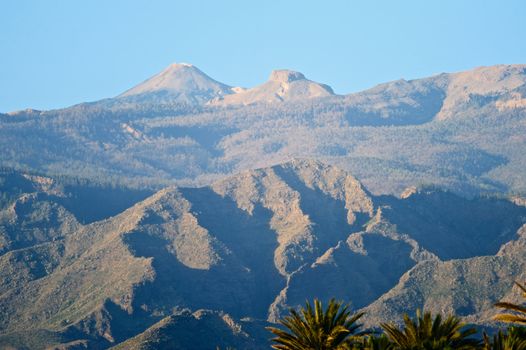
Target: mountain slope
181,82
466,287
462,131
199,330
469,89
251,246
282,85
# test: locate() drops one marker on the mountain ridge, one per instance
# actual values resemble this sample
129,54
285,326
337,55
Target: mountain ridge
461,131
249,246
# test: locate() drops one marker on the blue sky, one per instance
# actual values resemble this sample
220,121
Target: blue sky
57,53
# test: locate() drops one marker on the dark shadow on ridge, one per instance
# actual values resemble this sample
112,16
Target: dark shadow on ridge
328,214
90,203
249,237
453,227
354,277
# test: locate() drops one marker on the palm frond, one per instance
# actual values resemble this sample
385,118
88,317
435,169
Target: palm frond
428,332
314,327
516,313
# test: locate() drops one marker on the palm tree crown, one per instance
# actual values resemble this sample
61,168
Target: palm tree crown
427,333
517,312
514,339
314,328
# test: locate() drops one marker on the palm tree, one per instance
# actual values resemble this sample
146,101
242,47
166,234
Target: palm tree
518,312
373,342
429,334
316,328
515,339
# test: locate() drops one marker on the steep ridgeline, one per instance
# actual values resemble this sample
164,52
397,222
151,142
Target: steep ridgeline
232,255
199,330
461,131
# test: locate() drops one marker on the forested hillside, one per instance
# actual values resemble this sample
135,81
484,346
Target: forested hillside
461,131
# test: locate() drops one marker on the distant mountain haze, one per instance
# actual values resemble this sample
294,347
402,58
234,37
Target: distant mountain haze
461,131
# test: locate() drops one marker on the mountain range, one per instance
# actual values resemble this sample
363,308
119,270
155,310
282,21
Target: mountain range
461,131
185,212
237,254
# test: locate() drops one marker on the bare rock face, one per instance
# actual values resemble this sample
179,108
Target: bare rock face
492,83
285,76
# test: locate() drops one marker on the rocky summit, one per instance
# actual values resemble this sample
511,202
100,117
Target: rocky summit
282,85
181,82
